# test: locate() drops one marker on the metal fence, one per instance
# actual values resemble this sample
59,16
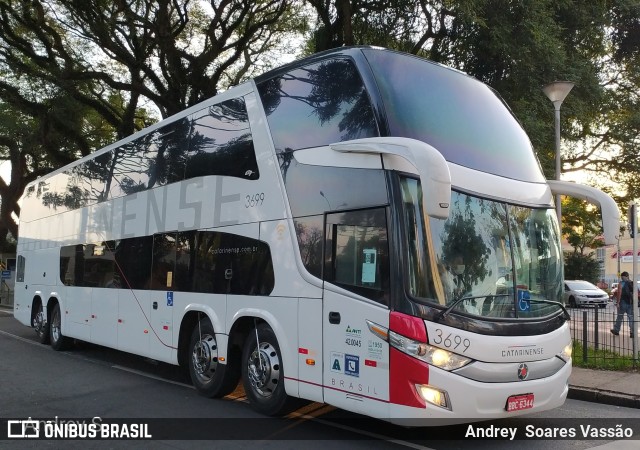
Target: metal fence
594,345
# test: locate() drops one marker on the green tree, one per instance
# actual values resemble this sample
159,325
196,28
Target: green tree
36,138
76,74
582,228
581,225
578,266
518,47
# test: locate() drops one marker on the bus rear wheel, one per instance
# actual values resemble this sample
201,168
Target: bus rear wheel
40,323
57,339
262,373
209,377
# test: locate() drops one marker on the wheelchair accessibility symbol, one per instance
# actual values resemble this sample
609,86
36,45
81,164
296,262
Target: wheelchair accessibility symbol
524,300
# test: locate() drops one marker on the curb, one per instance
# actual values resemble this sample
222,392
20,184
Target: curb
606,397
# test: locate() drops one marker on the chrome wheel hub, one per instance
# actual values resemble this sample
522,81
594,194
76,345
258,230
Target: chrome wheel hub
264,369
55,327
205,358
39,322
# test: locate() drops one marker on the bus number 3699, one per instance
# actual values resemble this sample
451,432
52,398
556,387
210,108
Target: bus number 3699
254,200
451,341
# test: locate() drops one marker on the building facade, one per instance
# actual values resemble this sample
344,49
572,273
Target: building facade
616,259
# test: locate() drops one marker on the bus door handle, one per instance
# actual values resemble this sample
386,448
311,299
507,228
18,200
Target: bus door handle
155,305
334,317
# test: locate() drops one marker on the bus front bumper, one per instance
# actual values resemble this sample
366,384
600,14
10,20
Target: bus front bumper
472,401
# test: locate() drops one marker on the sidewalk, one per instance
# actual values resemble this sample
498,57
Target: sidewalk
603,386
599,386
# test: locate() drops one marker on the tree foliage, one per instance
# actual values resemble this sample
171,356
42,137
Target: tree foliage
581,225
81,73
579,266
518,47
77,74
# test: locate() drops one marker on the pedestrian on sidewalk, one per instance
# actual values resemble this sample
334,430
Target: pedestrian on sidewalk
624,303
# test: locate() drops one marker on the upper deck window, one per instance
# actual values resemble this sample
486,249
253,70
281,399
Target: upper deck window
458,115
317,105
216,140
221,142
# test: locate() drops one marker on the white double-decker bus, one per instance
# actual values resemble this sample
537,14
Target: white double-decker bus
362,228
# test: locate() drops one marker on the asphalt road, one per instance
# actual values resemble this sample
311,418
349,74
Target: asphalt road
91,381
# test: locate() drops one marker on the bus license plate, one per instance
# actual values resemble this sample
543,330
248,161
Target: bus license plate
519,402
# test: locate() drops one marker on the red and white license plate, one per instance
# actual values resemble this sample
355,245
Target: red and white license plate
519,402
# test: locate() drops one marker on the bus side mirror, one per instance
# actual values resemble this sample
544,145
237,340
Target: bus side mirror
433,169
608,207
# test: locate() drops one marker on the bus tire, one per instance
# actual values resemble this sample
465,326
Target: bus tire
209,377
40,323
57,339
263,375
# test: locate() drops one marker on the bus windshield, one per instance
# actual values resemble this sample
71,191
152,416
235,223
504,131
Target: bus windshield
456,114
489,258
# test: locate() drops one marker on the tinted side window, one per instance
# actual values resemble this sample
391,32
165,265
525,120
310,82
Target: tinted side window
67,265
20,268
185,261
223,263
164,260
97,177
315,189
357,252
209,265
152,160
250,264
90,265
87,182
317,105
193,261
133,257
310,237
99,265
222,143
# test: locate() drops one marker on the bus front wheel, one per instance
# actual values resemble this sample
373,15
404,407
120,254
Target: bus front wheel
262,374
209,377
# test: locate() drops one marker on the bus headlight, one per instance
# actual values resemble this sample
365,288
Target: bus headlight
434,396
567,351
435,356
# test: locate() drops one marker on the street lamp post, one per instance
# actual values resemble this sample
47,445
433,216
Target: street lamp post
557,92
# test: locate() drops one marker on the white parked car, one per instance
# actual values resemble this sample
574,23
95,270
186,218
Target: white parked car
579,293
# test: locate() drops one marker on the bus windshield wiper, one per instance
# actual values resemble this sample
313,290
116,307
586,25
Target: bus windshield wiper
446,312
552,302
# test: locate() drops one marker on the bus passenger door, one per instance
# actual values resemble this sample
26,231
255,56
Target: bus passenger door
356,369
